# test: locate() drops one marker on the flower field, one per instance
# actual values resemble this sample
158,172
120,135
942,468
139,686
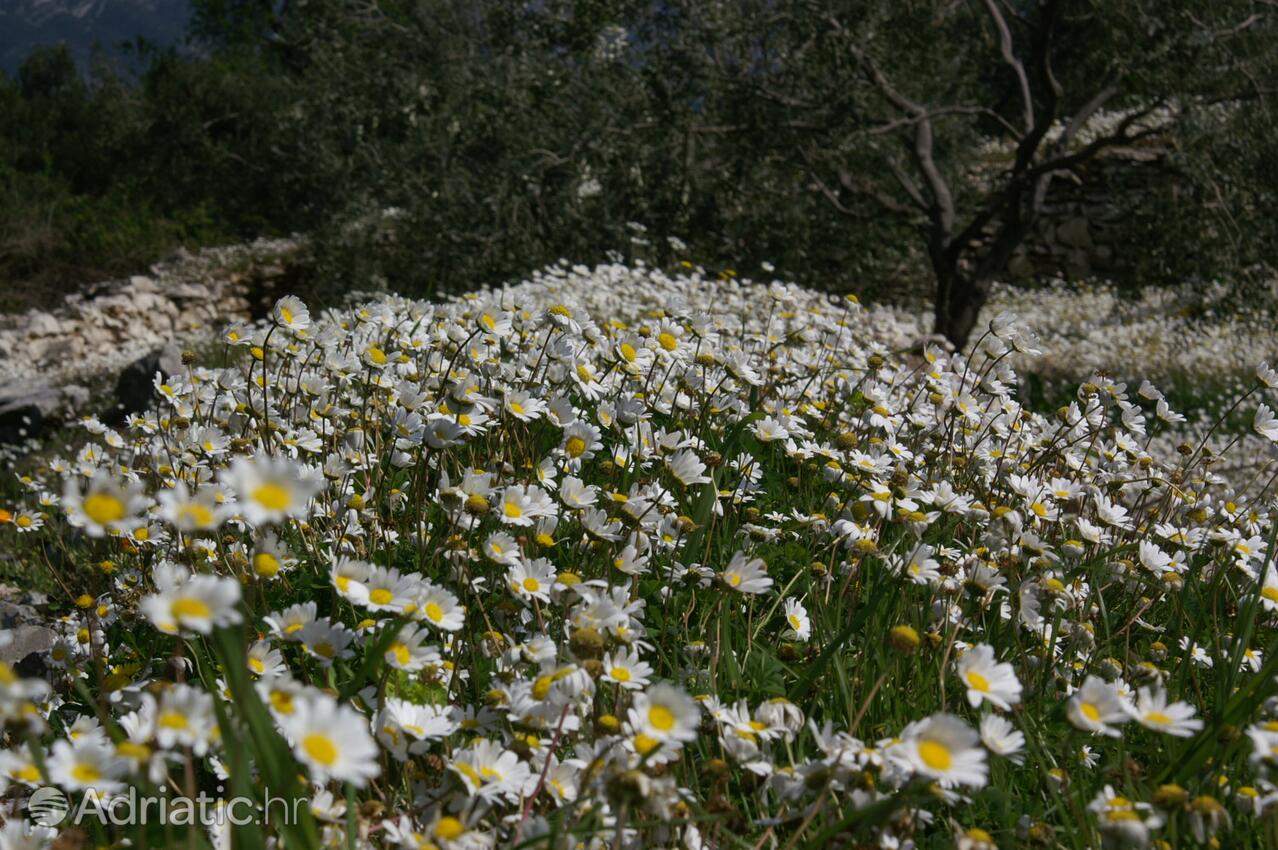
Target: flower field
617,559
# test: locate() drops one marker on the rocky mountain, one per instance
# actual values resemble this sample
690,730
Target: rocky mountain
27,24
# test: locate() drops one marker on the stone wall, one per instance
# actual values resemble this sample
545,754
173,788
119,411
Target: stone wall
1082,232
52,358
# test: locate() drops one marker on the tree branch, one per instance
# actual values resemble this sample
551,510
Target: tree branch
1009,56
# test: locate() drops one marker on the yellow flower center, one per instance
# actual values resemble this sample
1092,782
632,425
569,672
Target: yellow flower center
449,828
380,596
265,564
645,744
978,682
198,514
273,497
532,585
621,674
187,607
320,748
575,447
661,718
103,508
433,612
402,654
86,773
173,720
667,340
935,755
1090,712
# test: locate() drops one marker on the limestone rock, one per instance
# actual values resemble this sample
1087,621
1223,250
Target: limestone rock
1076,233
135,388
27,406
40,323
18,643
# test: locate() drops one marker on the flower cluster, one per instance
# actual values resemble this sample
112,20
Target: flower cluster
618,558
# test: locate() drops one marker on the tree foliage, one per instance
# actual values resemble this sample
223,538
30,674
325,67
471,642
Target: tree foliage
900,147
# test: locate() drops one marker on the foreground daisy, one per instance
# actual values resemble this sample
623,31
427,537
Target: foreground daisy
186,603
105,506
664,714
89,764
946,749
270,489
332,740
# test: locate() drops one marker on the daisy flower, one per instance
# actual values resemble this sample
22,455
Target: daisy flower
946,749
290,622
1265,423
185,718
624,667
491,772
105,506
746,576
270,489
326,642
89,764
270,556
408,651
580,441
664,714
687,468
189,512
1096,707
191,603
987,679
290,312
439,607
1153,712
796,617
332,740
1001,738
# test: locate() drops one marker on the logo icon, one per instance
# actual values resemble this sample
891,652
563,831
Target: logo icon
47,806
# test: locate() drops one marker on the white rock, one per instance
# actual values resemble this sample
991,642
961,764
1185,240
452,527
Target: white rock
40,323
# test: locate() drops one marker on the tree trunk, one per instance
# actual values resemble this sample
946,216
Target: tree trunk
958,304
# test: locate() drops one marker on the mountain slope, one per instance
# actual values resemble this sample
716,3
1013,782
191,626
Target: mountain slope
27,24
